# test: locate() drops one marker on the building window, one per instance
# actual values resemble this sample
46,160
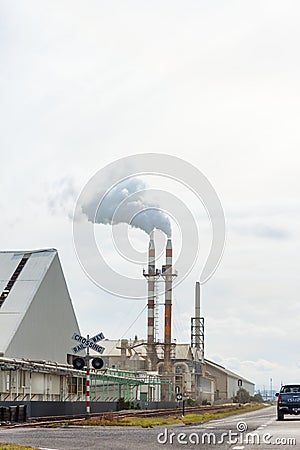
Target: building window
178,369
160,369
72,385
22,379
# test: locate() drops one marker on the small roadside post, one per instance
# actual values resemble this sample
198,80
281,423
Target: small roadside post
88,343
179,398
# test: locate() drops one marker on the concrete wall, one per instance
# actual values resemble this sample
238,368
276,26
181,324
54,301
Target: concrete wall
205,389
220,383
234,385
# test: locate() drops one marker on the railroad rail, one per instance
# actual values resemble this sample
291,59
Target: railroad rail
40,421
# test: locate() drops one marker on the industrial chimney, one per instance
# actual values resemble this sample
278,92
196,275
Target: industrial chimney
168,275
151,276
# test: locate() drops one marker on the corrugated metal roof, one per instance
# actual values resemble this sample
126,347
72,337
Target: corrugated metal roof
227,371
112,348
23,290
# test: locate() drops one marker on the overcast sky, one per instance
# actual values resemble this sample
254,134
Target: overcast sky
83,84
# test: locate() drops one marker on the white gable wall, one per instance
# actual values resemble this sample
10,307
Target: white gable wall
44,332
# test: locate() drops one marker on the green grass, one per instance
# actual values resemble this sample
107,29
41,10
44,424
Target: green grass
148,422
6,446
187,419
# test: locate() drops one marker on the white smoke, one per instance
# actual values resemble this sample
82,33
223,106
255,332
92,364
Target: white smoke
126,203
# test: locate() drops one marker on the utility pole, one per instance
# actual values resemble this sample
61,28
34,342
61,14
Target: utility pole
271,388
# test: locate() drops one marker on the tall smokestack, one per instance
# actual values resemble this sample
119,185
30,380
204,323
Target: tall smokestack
151,289
152,274
197,315
168,307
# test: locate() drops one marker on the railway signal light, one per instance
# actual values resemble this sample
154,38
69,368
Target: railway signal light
97,363
78,363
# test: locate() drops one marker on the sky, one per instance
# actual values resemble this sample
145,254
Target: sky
216,84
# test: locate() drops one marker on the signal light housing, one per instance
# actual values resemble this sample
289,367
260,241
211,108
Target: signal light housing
78,363
97,363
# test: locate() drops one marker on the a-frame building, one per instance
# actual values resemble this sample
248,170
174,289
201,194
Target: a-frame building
37,318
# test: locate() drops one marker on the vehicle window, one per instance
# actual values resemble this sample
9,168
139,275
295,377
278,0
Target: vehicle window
291,389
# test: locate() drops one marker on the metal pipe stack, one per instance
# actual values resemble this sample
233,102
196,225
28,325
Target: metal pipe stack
168,307
197,315
151,290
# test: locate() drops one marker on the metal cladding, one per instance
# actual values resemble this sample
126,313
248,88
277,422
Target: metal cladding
168,307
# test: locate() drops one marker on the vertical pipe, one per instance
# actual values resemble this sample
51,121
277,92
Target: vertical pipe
197,314
168,307
17,387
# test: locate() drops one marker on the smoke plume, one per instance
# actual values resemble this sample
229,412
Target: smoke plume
126,203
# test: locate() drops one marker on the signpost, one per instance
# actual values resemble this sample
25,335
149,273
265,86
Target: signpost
88,343
179,397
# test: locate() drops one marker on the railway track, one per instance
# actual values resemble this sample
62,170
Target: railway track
39,421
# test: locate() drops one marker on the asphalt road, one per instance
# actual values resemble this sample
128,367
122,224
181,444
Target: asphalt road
221,434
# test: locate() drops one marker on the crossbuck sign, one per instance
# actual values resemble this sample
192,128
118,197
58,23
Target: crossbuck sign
90,343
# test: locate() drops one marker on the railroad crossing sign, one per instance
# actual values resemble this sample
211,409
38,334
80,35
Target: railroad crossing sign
90,343
97,363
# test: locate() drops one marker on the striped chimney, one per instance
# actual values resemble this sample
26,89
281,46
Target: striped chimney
151,289
168,307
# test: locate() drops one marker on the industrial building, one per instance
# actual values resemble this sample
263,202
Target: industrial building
227,382
37,318
205,381
183,365
37,321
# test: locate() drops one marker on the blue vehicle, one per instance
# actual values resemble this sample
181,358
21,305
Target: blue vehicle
288,400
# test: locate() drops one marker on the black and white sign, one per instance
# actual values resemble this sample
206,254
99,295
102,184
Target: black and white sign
179,397
90,343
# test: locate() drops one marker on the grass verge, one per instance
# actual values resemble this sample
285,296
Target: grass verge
6,446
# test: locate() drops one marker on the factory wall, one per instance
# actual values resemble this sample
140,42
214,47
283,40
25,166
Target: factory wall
26,385
220,383
227,383
234,384
204,389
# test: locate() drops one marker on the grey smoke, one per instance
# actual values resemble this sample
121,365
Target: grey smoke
126,203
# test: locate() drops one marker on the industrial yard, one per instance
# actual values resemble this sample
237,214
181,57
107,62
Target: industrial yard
36,362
